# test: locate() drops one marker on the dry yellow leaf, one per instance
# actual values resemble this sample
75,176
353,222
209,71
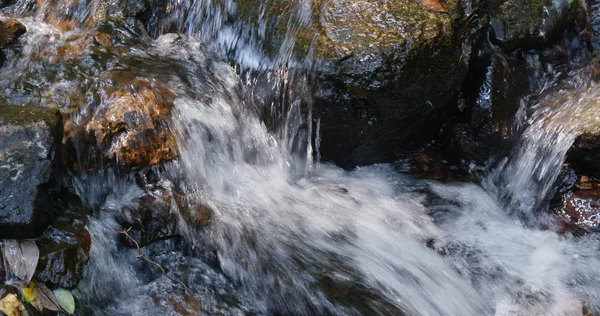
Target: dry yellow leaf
434,5
11,306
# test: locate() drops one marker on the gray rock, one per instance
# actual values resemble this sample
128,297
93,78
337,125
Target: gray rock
29,148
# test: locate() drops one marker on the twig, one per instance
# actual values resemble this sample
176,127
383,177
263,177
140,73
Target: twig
140,255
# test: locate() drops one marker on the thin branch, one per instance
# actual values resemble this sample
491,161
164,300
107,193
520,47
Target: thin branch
140,255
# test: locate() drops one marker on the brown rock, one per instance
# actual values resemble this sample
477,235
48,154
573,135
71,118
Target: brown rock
10,31
582,208
64,250
130,126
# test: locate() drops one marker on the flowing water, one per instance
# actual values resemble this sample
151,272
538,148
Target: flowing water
290,235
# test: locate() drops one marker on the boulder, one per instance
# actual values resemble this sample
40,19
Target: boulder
64,249
388,70
392,67
129,126
529,24
30,167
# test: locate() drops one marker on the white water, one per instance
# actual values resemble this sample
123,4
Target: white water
278,233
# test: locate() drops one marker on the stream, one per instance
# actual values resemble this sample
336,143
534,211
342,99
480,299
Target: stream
291,235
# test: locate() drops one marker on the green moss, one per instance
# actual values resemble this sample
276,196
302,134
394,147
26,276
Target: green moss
25,115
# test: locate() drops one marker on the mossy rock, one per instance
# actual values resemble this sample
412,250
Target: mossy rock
529,24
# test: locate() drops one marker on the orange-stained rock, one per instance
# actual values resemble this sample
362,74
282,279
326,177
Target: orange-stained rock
74,45
129,127
10,30
582,208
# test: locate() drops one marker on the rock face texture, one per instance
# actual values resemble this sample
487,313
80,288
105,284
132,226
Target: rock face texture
530,24
64,249
394,65
29,169
129,128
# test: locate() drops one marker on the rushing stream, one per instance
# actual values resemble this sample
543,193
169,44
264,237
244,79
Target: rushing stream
290,235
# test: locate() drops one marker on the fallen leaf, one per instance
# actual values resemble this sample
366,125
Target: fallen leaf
29,292
22,257
434,5
47,298
65,300
39,296
11,306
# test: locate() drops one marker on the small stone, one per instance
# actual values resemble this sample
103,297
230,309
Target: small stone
584,183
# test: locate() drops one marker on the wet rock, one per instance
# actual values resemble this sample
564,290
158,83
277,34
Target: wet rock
491,99
10,31
64,249
388,70
30,156
162,214
430,164
130,126
584,155
528,24
394,66
579,207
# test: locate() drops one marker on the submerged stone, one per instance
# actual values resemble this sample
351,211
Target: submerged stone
582,208
162,214
64,250
30,140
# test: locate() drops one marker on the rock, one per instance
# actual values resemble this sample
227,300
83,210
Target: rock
393,66
491,99
162,214
579,209
584,155
30,169
528,24
64,249
377,61
130,126
10,31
